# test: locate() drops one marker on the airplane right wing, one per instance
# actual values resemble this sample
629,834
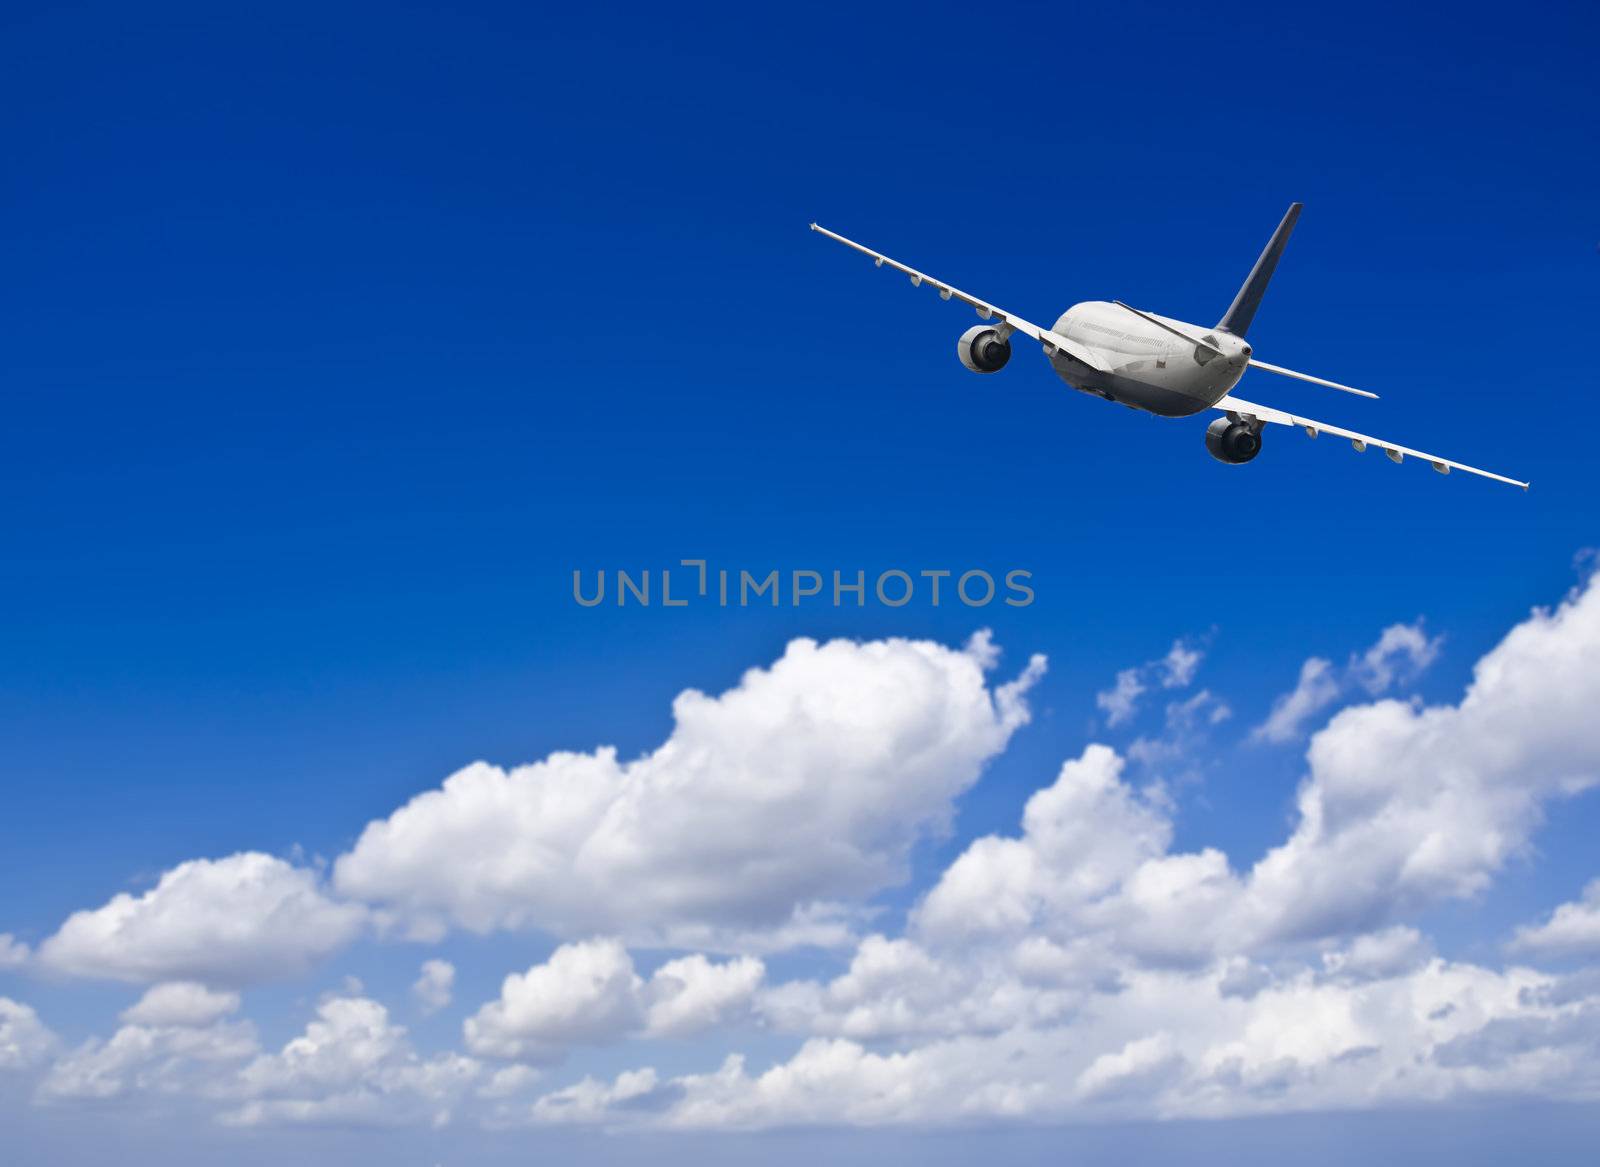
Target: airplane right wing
1239,409
1053,342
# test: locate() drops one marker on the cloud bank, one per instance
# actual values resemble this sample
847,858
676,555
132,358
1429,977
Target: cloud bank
1080,967
805,785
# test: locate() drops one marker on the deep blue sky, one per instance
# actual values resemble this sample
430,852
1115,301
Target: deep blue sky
336,337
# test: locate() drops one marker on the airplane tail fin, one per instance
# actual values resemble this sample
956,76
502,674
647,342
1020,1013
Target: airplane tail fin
1243,309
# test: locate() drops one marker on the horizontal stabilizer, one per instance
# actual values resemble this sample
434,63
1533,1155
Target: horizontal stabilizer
1282,372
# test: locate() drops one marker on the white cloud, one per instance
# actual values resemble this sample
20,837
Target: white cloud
1316,689
1168,1044
827,1082
245,918
588,993
808,782
1175,670
1174,756
1164,1043
174,1040
1400,654
352,1065
1403,806
692,994
183,1004
13,952
895,989
1091,857
509,1081
1242,977
24,1039
1572,929
1375,955
1143,1066
1180,664
591,1100
433,985
1121,701
166,1059
1407,805
1079,969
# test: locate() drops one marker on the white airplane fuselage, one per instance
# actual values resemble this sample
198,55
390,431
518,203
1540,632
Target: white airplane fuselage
1149,367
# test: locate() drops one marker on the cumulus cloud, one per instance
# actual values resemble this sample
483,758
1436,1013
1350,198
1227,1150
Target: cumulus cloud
176,1060
175,1040
433,985
588,993
13,952
1403,806
1400,654
1572,929
246,918
1080,967
1091,859
24,1039
1385,953
1168,1044
895,990
352,1065
1406,805
509,1081
591,1100
1141,1067
807,783
184,1004
693,994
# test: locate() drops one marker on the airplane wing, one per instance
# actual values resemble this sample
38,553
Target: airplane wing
1237,409
1053,342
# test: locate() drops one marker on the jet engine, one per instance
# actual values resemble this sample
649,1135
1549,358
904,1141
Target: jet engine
983,350
1231,441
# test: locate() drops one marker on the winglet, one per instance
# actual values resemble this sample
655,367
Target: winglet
1243,309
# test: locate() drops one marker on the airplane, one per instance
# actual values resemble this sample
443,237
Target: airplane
1161,365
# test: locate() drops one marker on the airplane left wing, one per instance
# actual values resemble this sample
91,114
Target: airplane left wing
1053,342
1238,409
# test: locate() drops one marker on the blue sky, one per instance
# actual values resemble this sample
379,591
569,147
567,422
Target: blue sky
337,338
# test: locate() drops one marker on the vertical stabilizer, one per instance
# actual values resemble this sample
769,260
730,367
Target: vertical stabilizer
1243,308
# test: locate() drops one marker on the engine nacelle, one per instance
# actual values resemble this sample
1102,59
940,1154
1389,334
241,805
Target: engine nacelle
983,350
1232,442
